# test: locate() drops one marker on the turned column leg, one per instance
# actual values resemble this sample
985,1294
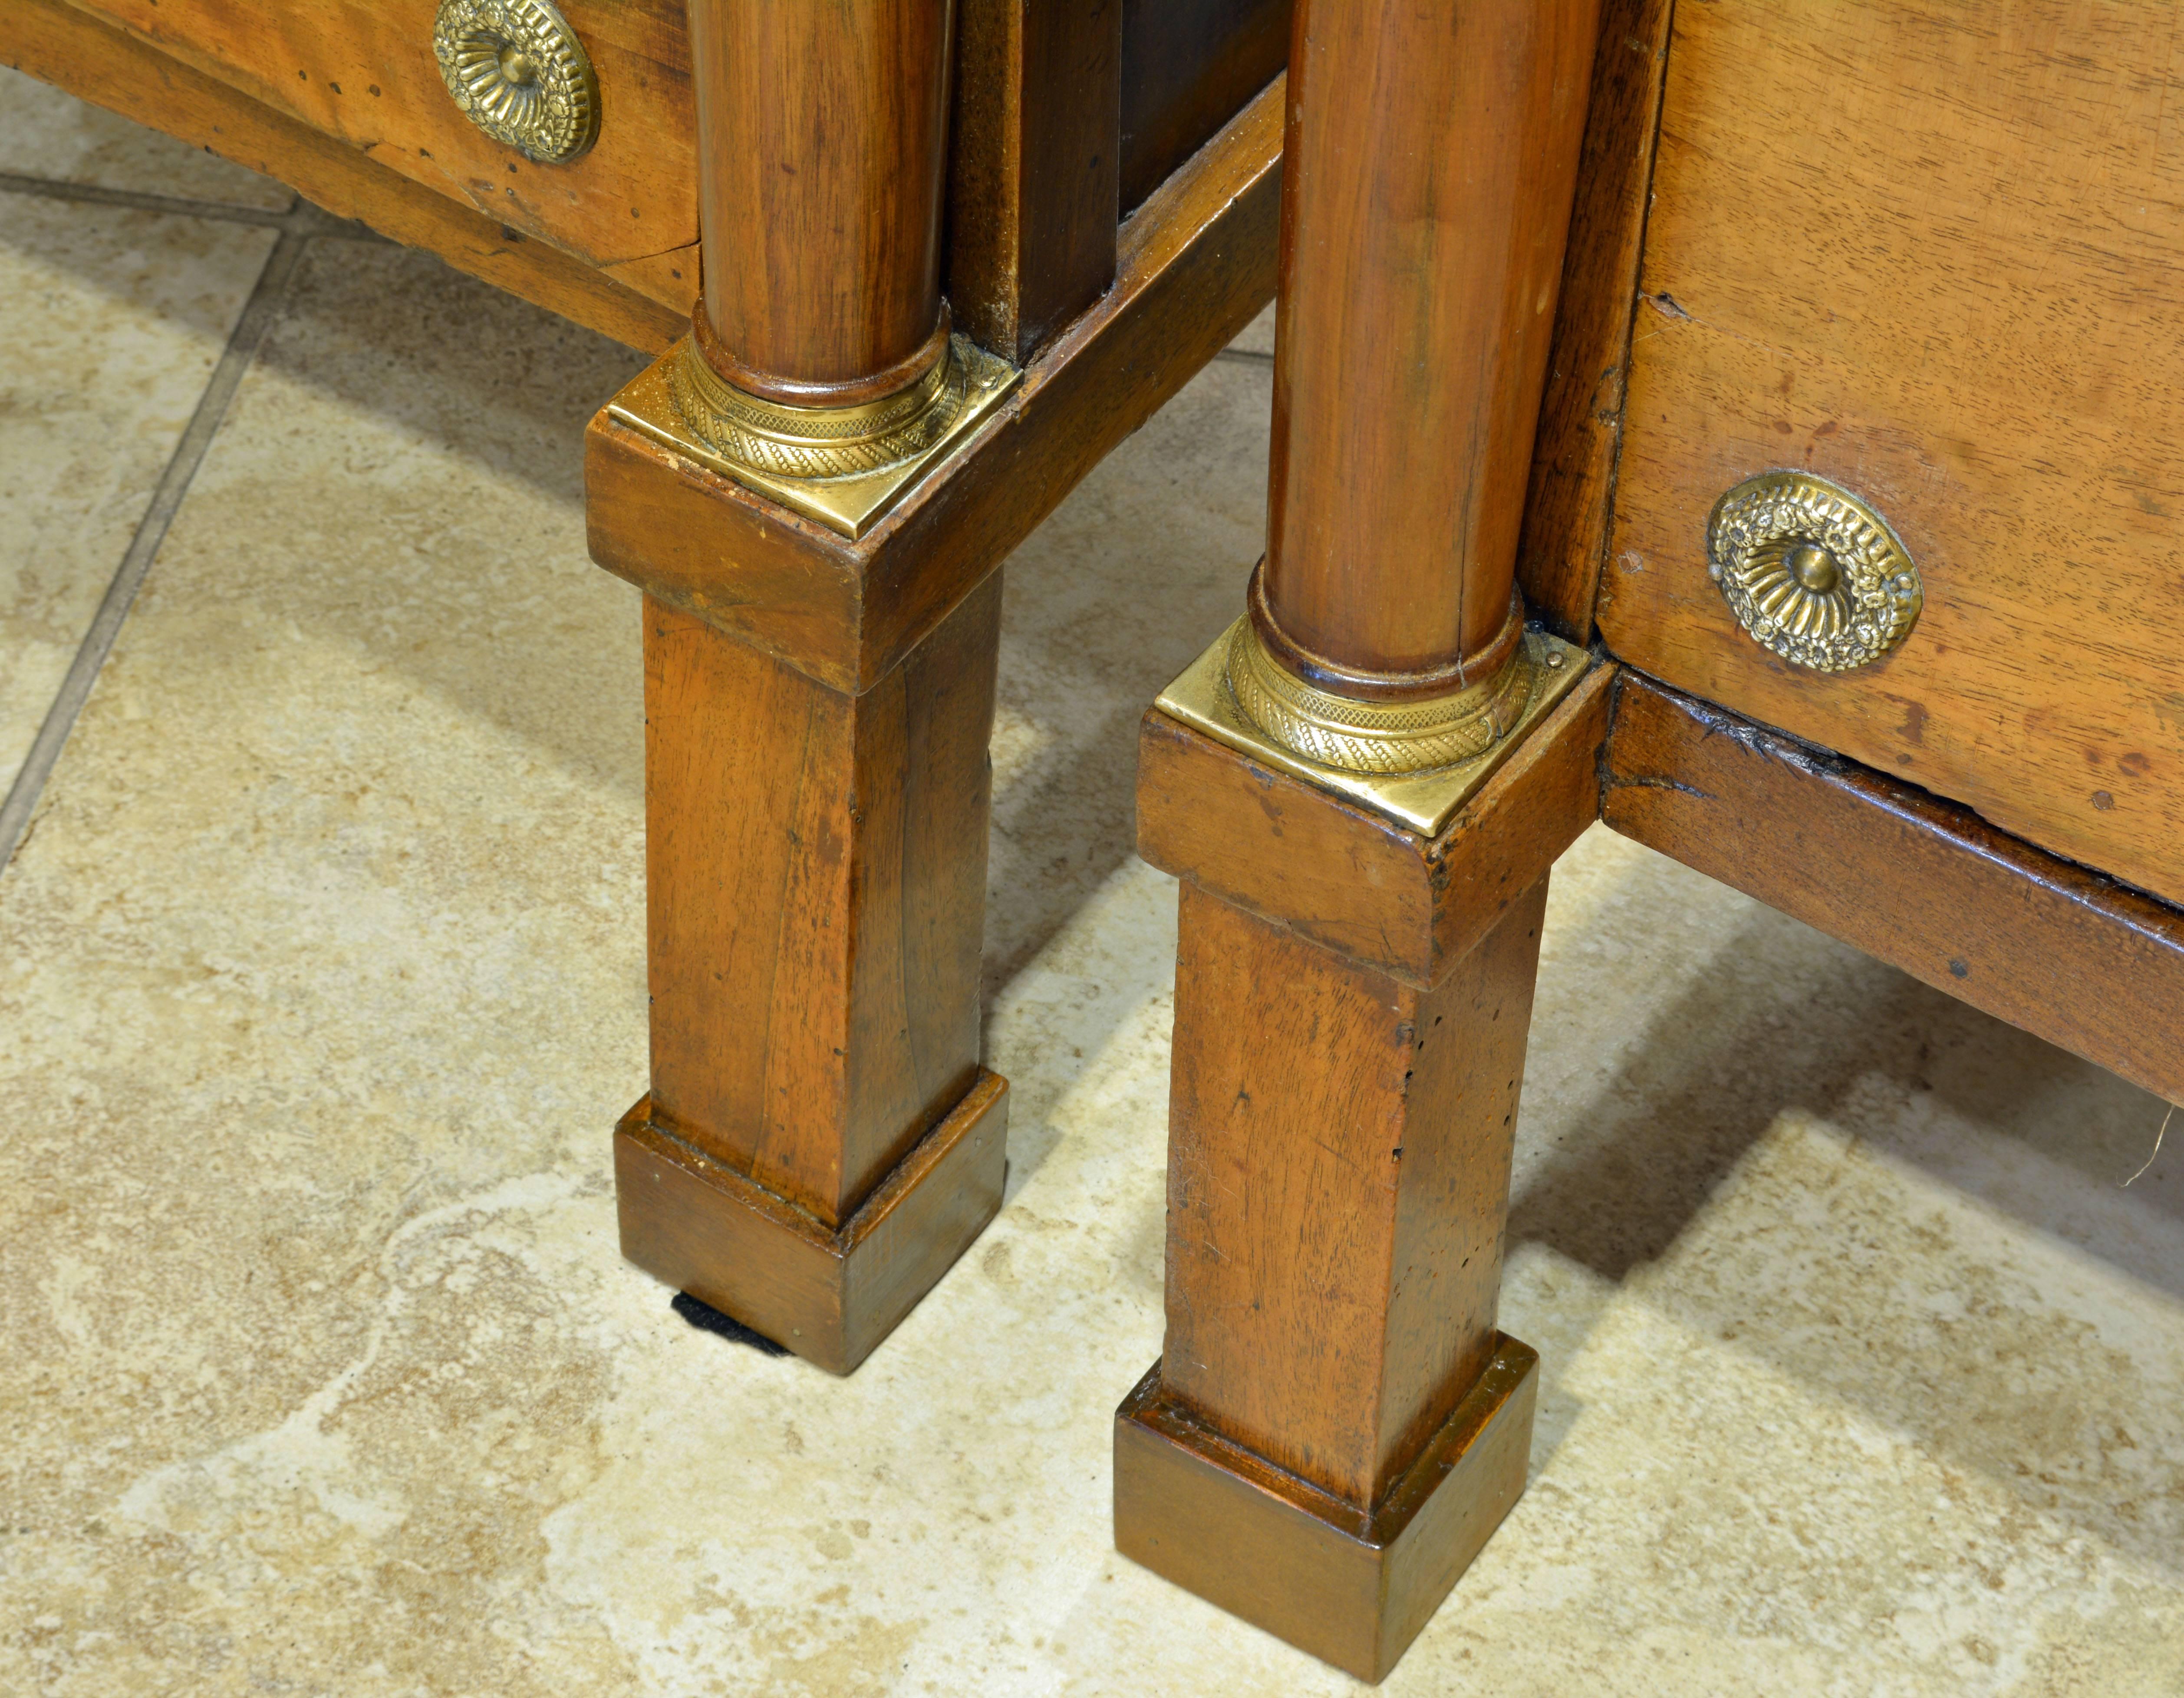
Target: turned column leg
1335,1425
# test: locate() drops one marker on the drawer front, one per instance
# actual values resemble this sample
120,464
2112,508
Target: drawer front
363,71
1932,250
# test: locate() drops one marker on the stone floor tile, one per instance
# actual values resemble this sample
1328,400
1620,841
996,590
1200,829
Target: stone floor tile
114,320
321,982
45,133
325,950
1109,599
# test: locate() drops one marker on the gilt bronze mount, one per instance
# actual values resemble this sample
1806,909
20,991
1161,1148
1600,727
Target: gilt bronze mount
842,467
519,72
1811,573
1414,762
1390,738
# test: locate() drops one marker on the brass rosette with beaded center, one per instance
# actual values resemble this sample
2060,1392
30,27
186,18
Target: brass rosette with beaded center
1374,736
1811,572
519,72
819,442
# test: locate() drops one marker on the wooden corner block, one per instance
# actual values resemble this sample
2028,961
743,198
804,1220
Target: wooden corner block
1351,880
829,1295
1352,1588
1192,267
703,544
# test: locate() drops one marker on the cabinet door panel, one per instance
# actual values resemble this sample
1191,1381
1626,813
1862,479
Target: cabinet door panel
1189,66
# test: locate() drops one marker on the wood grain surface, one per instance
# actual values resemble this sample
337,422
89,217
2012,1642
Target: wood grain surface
1033,167
1189,66
831,1296
1195,264
1338,1146
1418,305
362,72
648,307
1943,265
1351,1588
1565,532
816,884
1351,880
822,139
2066,954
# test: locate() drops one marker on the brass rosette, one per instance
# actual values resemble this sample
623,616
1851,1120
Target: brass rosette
1810,571
820,442
519,72
1383,737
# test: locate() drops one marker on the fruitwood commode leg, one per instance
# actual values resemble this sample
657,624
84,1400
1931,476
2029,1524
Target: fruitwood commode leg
820,1142
1363,786
815,492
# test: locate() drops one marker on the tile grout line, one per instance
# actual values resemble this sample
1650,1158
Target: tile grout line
138,200
48,188
242,344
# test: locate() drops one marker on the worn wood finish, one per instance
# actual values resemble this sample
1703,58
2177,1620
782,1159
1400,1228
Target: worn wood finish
1350,1587
1946,271
2071,956
1338,1176
1565,530
670,279
816,884
822,138
59,44
830,1296
1349,880
1034,168
362,72
1195,264
1353,1002
1188,67
1416,310
1335,1427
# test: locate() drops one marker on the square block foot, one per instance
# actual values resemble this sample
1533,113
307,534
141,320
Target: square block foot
1351,1588
829,1295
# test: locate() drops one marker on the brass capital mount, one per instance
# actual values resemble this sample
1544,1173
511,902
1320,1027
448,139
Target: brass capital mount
1389,739
1415,762
842,467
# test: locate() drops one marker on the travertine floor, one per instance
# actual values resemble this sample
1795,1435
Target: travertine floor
320,984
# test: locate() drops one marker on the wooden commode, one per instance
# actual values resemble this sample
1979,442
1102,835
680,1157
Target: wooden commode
1753,424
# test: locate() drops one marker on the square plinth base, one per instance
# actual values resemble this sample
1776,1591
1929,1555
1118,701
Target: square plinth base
828,1295
1350,1588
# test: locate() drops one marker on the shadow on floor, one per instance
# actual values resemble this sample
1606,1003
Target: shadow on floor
1899,1309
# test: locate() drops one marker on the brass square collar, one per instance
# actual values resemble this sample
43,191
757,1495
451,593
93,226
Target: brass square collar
976,382
1423,802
